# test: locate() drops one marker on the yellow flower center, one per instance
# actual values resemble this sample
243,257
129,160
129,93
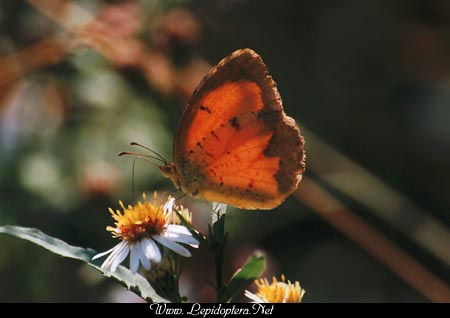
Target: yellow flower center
137,222
279,292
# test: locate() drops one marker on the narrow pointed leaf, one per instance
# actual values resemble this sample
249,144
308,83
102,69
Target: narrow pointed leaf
196,234
243,277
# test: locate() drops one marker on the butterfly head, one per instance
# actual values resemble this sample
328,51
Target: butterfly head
169,171
182,182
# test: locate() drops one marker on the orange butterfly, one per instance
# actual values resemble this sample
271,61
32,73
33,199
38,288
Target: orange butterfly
234,143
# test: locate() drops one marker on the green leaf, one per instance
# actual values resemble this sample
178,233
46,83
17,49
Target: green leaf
243,277
218,229
136,283
196,234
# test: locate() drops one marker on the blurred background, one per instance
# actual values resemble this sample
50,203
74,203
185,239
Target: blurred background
368,83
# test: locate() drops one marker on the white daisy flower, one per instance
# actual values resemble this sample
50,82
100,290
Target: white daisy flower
141,228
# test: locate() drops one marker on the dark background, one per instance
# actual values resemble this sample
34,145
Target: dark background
370,78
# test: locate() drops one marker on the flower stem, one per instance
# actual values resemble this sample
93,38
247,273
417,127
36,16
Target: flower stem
217,244
219,277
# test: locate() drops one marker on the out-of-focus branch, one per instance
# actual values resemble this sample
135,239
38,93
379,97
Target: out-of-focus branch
63,12
46,52
372,241
399,212
123,50
128,51
384,202
91,31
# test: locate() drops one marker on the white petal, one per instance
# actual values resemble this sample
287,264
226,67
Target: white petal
115,250
120,257
151,250
180,233
144,245
253,297
117,256
104,253
134,257
179,229
168,206
144,259
177,248
181,238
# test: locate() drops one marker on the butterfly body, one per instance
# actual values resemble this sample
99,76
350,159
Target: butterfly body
234,143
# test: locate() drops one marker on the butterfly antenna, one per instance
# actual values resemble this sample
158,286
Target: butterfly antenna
180,196
161,158
139,157
144,157
132,179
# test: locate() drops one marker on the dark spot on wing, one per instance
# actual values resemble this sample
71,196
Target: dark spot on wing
215,135
205,109
235,123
